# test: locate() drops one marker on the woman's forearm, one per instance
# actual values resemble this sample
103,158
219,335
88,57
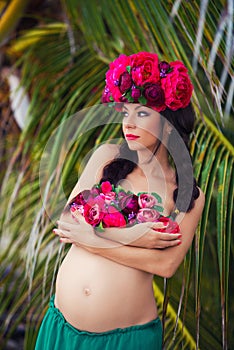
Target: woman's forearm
125,235
153,261
162,262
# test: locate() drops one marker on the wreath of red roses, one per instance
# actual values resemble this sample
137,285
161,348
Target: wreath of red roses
141,78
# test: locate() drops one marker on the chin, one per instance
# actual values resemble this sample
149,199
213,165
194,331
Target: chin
134,146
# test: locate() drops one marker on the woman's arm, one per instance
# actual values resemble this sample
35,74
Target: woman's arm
74,229
92,172
143,235
156,261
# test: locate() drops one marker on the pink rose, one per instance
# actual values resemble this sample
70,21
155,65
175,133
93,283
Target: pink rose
177,86
114,219
129,203
155,96
125,82
108,197
144,68
93,214
147,215
117,68
146,200
172,226
106,187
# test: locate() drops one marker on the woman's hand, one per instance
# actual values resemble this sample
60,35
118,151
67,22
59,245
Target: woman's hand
143,235
77,231
153,239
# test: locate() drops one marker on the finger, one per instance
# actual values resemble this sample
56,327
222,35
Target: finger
159,225
66,225
65,240
61,233
168,244
168,236
155,225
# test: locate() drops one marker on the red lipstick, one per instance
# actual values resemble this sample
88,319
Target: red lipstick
131,137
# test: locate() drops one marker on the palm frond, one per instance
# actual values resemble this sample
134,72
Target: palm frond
63,67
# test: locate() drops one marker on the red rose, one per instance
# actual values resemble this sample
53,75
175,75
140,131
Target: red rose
114,219
144,68
117,68
125,82
147,215
93,214
155,96
106,187
129,203
177,86
172,226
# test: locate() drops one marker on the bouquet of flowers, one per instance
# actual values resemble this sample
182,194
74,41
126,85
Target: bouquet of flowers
105,205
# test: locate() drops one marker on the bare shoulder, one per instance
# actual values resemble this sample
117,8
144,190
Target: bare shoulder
109,150
104,154
200,201
93,169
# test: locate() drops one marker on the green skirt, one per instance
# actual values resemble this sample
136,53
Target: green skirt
57,334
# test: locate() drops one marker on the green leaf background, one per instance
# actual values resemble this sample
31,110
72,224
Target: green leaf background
63,65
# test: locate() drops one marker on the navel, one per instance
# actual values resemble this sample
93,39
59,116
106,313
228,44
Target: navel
86,291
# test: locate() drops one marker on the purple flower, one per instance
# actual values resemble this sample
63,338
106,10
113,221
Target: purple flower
106,95
164,68
135,93
77,207
129,204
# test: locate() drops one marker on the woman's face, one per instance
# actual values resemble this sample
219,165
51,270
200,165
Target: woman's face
141,126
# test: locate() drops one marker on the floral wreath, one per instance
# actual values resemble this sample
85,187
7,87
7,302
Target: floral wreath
141,78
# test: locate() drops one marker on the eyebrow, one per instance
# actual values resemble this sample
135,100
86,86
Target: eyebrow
135,108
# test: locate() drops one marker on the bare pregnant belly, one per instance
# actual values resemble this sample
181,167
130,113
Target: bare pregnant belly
96,294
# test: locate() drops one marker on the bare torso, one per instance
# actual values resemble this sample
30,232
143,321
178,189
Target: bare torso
97,294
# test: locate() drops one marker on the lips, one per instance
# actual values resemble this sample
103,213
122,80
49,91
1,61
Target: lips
131,137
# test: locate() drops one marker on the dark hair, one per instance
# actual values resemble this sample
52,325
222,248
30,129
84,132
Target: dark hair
126,161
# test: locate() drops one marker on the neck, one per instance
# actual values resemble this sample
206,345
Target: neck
150,163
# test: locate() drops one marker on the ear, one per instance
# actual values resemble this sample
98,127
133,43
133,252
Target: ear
167,130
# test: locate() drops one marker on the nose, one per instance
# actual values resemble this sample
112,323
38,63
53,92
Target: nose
129,122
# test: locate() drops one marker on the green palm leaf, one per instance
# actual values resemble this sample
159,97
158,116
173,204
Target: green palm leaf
63,66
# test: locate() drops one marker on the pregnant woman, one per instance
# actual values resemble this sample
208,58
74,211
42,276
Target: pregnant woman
104,297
